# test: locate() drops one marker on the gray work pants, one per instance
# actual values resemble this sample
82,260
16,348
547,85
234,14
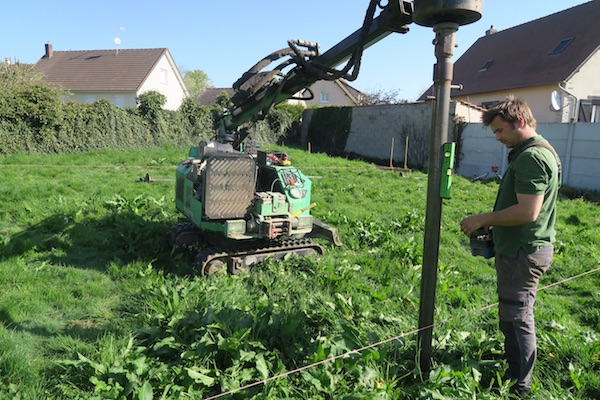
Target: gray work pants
517,280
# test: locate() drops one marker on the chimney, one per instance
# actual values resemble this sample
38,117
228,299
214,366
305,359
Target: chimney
49,51
491,31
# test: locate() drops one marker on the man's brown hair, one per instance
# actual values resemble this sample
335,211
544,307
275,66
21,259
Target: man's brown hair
510,110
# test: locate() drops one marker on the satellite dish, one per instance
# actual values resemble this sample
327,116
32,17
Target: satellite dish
117,41
555,100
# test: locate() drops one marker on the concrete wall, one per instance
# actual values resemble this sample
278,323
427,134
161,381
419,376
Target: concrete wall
376,129
373,128
577,144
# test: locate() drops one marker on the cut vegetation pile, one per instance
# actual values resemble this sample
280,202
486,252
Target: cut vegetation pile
93,304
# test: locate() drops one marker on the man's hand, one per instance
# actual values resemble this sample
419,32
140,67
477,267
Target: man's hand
472,223
526,210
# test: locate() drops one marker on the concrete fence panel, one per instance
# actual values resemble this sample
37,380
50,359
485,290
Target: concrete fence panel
373,129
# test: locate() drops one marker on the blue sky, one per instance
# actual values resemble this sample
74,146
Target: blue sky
225,38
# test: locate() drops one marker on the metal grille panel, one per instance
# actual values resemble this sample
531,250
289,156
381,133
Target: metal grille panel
229,183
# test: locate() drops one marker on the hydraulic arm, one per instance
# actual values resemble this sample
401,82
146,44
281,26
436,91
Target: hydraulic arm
257,91
245,205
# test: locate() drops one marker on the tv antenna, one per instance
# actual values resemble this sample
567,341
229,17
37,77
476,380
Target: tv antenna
117,42
117,39
555,101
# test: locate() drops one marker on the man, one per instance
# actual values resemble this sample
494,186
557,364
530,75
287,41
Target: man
523,230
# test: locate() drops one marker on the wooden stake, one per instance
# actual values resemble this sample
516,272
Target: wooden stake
392,153
406,153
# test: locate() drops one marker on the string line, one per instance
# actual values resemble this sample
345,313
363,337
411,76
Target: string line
376,344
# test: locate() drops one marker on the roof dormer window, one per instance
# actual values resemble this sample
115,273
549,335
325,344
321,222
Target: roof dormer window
562,45
487,65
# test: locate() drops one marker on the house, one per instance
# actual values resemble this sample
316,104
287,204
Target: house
117,75
210,96
324,93
329,93
552,62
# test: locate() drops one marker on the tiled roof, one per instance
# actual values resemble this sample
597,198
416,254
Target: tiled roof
522,56
210,96
100,70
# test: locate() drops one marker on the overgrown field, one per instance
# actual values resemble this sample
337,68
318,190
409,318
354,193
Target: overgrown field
93,304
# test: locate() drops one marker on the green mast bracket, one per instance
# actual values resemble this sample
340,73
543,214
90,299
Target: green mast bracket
447,166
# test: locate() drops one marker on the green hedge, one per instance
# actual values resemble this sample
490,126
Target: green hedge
34,119
329,129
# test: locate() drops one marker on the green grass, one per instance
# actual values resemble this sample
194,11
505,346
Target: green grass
93,304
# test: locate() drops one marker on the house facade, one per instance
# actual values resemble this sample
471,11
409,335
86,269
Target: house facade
329,93
118,76
336,93
552,62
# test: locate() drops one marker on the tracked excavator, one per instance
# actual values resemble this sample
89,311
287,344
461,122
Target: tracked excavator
244,204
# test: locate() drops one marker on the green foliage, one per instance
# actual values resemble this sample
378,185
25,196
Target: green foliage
275,128
34,119
196,82
94,305
290,120
15,75
223,100
294,110
150,103
329,129
200,119
35,110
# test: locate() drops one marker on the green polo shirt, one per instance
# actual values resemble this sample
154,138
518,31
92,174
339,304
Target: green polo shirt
531,170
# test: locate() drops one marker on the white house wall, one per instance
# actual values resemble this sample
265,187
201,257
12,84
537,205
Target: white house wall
337,97
538,98
585,83
120,99
163,79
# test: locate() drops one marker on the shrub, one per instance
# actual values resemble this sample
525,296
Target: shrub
33,118
150,103
329,129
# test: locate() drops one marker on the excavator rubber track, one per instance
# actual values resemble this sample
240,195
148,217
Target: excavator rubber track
184,234
238,257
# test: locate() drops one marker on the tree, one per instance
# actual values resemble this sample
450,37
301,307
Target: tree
196,81
16,75
381,96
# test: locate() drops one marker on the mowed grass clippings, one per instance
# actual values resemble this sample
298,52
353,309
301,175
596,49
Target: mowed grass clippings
95,305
